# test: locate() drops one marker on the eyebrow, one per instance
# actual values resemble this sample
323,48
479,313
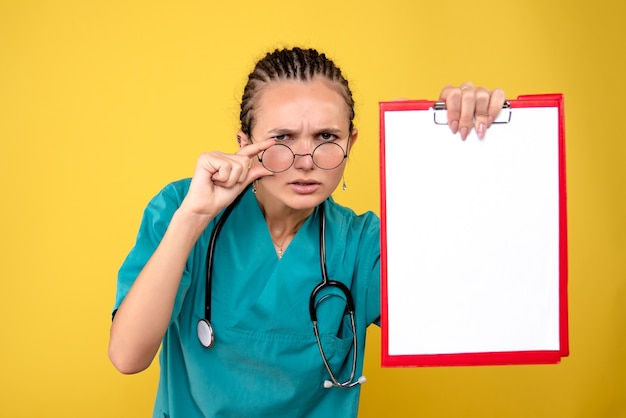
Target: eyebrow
280,131
284,131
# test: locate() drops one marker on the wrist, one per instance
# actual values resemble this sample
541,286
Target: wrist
189,224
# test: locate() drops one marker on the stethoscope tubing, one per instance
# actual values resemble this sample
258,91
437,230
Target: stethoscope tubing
206,334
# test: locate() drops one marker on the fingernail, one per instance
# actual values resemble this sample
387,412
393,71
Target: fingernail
481,130
464,132
454,126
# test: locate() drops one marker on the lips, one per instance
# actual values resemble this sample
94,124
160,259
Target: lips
304,186
304,182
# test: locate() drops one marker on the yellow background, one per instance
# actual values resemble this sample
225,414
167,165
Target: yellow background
103,103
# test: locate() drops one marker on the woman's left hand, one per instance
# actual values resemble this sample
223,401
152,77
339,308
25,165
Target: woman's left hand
471,107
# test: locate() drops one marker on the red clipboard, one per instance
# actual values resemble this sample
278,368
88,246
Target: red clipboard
473,236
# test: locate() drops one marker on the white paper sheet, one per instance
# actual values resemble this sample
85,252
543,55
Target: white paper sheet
472,232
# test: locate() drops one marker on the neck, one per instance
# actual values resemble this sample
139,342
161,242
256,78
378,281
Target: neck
281,219
283,223
281,236
283,230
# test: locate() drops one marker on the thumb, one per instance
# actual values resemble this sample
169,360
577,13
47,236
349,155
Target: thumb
256,172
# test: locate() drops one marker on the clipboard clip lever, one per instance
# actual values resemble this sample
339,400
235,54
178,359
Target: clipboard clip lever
440,117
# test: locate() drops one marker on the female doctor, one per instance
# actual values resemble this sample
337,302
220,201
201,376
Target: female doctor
255,284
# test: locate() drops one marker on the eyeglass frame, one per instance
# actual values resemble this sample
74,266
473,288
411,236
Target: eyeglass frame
345,154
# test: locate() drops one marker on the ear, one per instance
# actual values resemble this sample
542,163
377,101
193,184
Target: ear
242,139
353,137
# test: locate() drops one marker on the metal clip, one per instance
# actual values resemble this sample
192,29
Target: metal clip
441,118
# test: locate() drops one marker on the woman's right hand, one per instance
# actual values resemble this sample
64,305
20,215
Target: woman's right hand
143,317
220,177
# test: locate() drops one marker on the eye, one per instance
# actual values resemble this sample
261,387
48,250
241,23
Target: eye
328,137
281,137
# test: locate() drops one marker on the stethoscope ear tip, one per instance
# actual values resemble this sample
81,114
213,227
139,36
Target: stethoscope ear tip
328,384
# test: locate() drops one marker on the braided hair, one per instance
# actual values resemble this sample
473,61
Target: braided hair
291,64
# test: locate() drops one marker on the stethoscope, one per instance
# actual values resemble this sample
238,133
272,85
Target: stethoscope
206,334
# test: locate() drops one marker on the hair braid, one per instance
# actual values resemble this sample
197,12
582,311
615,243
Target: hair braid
295,64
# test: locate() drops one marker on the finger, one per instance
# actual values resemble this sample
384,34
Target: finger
446,91
247,176
227,172
208,162
238,171
255,148
468,106
496,101
452,98
481,111
256,172
224,169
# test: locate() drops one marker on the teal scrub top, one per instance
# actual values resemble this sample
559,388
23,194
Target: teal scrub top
265,361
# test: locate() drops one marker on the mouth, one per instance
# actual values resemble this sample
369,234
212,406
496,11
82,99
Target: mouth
304,186
305,183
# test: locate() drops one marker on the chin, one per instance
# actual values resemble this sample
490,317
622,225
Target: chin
305,202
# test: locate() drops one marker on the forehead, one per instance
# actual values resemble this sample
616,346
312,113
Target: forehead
316,102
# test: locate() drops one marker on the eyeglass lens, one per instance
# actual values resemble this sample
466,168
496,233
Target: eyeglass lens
280,157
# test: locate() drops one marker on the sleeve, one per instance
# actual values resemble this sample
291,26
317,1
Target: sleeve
372,258
155,221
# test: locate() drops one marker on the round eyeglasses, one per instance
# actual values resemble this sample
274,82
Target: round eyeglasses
279,157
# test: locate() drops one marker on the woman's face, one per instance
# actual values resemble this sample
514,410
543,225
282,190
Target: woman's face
302,115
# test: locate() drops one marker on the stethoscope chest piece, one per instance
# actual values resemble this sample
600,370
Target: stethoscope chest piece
205,333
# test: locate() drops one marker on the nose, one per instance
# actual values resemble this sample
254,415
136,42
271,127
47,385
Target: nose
299,150
303,163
